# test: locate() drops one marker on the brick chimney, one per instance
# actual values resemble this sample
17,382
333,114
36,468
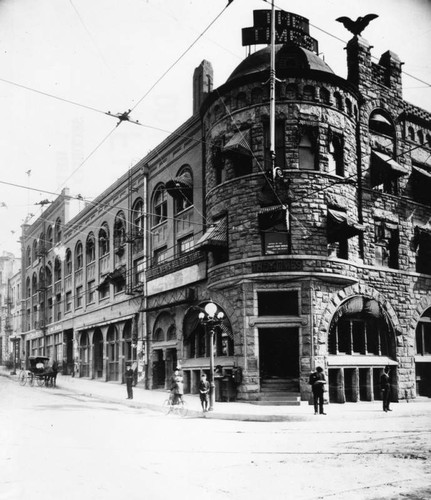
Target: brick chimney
202,84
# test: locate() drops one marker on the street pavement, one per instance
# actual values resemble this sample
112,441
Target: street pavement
153,399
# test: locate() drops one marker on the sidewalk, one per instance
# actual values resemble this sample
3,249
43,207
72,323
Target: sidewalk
153,400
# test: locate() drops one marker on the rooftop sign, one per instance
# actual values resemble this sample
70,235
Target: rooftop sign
289,28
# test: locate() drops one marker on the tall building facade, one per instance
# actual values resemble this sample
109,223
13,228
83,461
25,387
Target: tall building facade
9,266
328,263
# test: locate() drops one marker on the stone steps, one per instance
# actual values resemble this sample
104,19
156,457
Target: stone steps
279,392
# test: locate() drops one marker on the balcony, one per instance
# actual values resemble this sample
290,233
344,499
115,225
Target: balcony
175,264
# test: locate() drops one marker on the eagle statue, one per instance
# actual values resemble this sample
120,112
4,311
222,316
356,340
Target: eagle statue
358,26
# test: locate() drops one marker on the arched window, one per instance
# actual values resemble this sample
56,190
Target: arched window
48,275
181,189
57,231
359,327
119,231
256,95
172,333
79,261
49,237
28,288
384,171
34,284
28,256
338,101
138,218
163,324
325,96
160,206
90,249
241,100
158,335
41,246
308,93
411,133
420,137
57,269
68,262
349,108
336,155
34,250
104,240
306,152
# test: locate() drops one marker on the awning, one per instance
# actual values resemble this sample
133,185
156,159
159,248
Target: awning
216,236
364,361
385,166
423,172
239,144
273,218
116,276
183,182
340,226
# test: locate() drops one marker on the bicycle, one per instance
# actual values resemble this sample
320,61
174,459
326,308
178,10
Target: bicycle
179,407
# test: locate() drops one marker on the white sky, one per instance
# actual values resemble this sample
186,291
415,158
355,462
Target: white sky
106,54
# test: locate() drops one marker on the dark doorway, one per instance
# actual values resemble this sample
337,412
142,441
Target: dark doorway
279,353
423,379
68,363
158,370
98,353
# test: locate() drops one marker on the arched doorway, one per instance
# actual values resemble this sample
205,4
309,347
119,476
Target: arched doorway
98,353
84,355
164,348
113,352
361,342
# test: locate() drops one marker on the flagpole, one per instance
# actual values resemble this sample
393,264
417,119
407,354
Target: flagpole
272,79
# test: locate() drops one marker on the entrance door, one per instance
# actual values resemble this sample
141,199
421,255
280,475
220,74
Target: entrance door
68,342
279,353
98,353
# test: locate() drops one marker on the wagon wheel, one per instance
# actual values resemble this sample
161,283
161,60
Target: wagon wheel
31,379
22,378
40,381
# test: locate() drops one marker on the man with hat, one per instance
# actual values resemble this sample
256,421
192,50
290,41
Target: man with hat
129,376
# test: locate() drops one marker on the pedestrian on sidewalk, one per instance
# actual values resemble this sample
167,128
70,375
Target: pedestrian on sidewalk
129,376
204,389
317,381
385,385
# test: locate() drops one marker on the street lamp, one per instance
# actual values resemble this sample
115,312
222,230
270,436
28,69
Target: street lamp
211,317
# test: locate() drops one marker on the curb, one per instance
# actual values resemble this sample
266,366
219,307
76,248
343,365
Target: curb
245,417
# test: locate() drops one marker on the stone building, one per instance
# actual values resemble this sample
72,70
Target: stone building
327,264
9,266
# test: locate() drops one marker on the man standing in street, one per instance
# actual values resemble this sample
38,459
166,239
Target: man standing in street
129,381
204,389
317,381
385,384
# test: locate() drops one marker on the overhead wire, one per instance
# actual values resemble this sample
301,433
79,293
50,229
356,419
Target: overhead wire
179,58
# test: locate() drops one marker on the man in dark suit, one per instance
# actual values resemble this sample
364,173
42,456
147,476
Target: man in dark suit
317,381
385,385
129,381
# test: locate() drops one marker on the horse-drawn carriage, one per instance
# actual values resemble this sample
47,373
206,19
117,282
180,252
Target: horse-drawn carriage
40,371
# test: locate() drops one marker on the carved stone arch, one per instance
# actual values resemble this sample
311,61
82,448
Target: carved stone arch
347,293
424,304
163,322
